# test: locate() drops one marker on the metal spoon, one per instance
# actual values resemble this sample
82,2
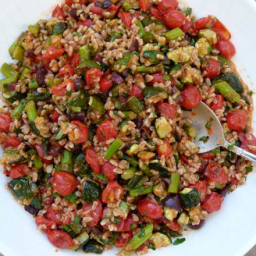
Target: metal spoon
199,117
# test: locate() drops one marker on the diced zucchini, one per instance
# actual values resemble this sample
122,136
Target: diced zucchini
124,128
181,55
174,34
191,131
93,247
160,240
134,104
233,81
183,219
80,241
209,34
153,92
152,56
189,197
203,47
21,188
133,149
163,128
170,214
128,174
155,165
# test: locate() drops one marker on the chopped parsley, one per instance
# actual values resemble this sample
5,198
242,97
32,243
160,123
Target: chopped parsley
179,241
204,139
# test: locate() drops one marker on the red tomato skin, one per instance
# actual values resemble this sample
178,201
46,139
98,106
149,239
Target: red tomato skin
191,97
189,27
105,84
53,53
237,120
83,130
173,225
201,187
126,18
144,5
164,149
86,23
9,141
123,239
212,68
75,60
218,104
69,2
93,75
226,48
61,89
64,183
106,131
221,30
58,13
95,214
19,170
174,18
137,91
168,4
92,159
155,12
168,110
215,173
60,239
213,202
96,10
108,170
202,23
149,208
207,155
157,78
248,140
55,116
40,220
41,154
126,224
5,121
55,216
112,193
66,70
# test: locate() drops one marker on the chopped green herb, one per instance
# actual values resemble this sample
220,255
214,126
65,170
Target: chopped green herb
179,241
204,139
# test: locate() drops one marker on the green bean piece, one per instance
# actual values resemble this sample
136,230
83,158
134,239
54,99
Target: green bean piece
174,34
84,53
89,64
141,191
17,112
34,29
144,69
37,162
227,91
16,51
132,161
31,110
126,6
141,29
96,104
59,135
25,72
113,148
9,72
174,183
66,160
33,84
152,56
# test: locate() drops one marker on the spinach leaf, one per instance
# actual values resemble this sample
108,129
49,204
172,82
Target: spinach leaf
21,188
91,191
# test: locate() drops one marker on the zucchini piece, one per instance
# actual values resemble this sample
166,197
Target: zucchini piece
174,34
149,92
78,103
163,128
133,104
21,188
80,241
93,247
208,34
203,47
181,55
163,172
233,81
189,197
96,104
91,191
160,240
152,56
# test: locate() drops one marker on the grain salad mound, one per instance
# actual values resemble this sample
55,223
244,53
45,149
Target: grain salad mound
95,142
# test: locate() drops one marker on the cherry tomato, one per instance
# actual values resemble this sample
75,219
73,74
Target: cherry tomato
94,211
9,141
123,239
44,223
144,5
212,68
86,23
61,89
164,5
113,9
155,12
216,173
248,142
58,216
174,18
60,239
19,170
237,120
168,110
127,224
75,60
202,23
189,27
92,159
58,13
96,10
5,121
53,53
137,91
126,18
108,170
149,208
64,183
66,70
165,149
69,2
191,97
55,116
157,78
221,30
207,155
106,131
218,103
112,193
201,187
226,48
41,154
173,225
213,202
93,75
105,84
83,133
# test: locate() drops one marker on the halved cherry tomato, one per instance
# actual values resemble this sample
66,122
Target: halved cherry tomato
54,216
9,141
96,10
95,213
113,9
44,222
191,97
69,2
108,170
127,224
166,109
201,187
60,239
86,23
174,18
216,173
105,84
93,75
144,5
165,149
106,130
226,48
173,225
213,202
123,239
112,193
58,13
189,27
150,209
19,170
137,91
157,78
64,183
248,142
212,68
202,23
126,18
41,154
83,133
218,103
92,159
55,116
164,5
61,89
155,12
221,30
53,53
237,120
66,70
207,155
75,60
5,121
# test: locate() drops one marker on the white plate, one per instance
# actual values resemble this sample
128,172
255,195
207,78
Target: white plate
230,232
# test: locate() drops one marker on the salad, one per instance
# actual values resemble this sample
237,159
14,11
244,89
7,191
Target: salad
95,142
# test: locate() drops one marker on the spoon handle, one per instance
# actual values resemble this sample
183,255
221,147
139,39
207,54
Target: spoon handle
240,151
